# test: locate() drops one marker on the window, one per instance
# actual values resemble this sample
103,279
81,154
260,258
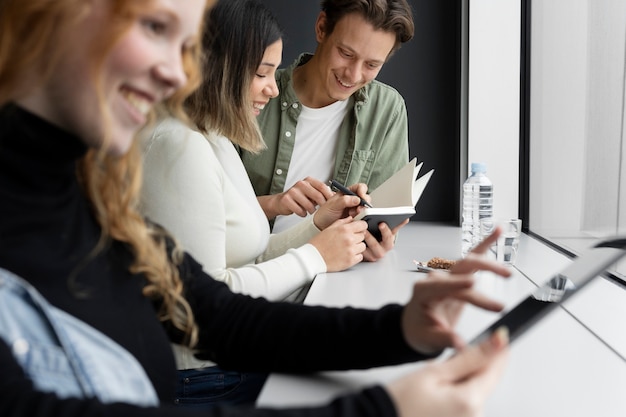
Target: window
574,121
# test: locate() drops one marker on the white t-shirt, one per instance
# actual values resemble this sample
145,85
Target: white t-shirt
315,147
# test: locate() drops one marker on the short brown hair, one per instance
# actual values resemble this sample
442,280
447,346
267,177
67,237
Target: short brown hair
388,15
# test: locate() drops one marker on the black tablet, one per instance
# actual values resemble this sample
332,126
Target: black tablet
561,286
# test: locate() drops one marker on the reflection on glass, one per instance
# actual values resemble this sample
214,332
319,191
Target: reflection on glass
558,288
554,289
577,171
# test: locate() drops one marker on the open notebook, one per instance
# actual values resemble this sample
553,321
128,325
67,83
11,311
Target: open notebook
395,199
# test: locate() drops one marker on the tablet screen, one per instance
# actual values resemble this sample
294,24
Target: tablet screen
531,309
560,287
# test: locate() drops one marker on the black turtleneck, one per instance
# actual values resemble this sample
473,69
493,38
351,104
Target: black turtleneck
46,231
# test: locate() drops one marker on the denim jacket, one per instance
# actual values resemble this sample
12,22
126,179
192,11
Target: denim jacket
64,355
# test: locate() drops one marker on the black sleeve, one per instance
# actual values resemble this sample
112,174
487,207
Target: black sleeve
18,398
248,334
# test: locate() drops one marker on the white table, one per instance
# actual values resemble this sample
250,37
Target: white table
571,364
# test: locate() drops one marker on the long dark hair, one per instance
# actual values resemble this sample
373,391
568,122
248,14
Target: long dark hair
238,32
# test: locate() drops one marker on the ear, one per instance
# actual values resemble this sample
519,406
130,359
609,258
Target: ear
320,27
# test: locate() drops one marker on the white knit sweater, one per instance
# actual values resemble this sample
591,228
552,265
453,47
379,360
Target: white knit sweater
197,188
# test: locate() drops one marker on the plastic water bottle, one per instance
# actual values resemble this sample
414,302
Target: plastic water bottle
477,204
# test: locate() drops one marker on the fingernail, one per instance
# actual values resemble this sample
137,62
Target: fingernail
500,337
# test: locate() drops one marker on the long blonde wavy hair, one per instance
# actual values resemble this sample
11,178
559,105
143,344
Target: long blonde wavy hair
30,34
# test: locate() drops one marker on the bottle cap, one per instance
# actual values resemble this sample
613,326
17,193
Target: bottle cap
479,167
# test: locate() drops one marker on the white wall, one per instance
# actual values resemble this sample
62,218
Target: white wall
493,103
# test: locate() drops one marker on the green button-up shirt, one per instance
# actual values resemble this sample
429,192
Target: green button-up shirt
373,137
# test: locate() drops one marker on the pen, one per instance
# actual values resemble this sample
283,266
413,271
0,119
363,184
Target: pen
346,191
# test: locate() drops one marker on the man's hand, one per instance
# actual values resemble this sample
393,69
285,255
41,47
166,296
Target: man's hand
378,249
304,197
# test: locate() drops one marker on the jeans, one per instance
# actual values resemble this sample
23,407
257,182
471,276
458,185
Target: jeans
207,387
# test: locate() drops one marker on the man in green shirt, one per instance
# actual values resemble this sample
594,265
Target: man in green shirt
332,119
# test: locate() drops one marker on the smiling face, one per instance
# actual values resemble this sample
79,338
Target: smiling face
143,68
346,59
263,86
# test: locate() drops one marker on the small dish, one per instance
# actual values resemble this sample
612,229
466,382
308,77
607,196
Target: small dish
422,266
